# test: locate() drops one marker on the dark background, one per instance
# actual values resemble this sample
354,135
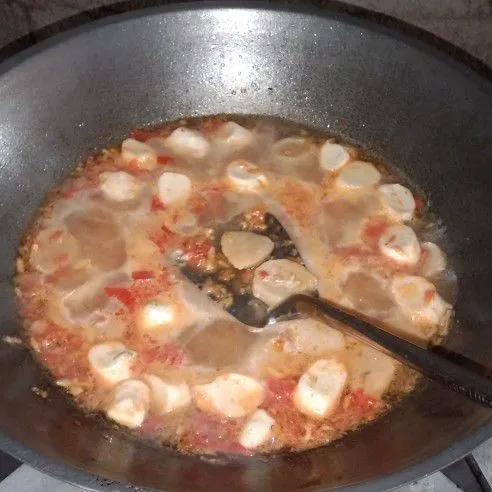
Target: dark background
466,23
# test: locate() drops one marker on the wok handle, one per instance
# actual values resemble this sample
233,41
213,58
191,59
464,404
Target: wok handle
474,386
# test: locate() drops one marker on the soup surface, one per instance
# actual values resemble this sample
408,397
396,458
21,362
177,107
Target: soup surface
258,208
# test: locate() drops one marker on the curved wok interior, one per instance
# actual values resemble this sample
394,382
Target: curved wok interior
108,311
429,116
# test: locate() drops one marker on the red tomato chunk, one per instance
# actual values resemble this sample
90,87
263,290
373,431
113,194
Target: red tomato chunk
59,350
164,159
156,205
124,295
162,238
168,353
207,432
143,275
363,401
197,249
279,391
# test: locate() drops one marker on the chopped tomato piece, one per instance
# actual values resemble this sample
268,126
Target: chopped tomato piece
133,167
162,238
356,407
56,337
263,274
373,231
58,349
210,201
143,275
169,353
208,432
143,290
279,391
197,249
429,295
124,295
164,159
363,401
142,135
198,204
156,205
280,404
419,204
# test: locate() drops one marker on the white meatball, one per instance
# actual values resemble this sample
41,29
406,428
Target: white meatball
231,395
257,430
400,243
133,150
418,299
276,280
370,370
167,396
246,176
332,156
245,249
320,388
292,147
234,136
174,188
294,156
111,361
433,260
311,337
398,200
358,174
184,142
120,186
130,403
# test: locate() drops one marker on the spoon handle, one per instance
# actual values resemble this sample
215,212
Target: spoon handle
434,366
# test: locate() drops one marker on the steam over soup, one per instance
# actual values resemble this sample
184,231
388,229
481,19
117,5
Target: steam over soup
110,315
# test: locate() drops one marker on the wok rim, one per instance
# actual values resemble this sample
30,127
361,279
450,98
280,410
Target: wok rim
421,40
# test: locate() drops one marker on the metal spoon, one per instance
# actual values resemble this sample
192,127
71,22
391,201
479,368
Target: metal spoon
470,384
251,311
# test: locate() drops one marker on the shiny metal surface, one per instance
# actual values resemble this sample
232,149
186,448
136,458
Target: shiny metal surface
399,98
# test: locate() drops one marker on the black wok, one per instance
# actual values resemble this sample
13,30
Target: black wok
399,98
